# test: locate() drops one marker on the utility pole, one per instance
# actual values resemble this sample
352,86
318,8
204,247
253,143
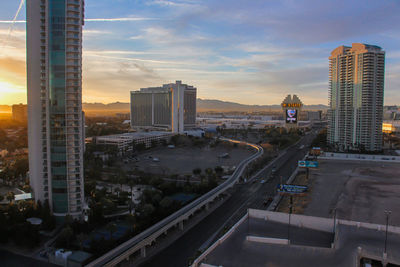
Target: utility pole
387,212
334,220
290,213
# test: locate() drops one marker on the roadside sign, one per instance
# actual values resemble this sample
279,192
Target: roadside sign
308,164
292,189
316,151
23,196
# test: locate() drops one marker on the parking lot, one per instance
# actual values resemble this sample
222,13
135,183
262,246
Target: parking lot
182,160
359,190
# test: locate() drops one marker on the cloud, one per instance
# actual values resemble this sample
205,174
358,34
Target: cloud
117,19
137,37
14,66
94,32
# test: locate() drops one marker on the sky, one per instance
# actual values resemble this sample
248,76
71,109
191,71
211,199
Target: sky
250,52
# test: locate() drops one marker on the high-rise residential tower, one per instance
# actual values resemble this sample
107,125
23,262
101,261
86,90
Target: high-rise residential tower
54,69
172,106
356,84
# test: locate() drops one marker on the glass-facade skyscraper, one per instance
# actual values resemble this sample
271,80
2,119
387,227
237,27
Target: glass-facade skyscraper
54,77
356,86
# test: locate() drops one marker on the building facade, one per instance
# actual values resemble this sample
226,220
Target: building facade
124,141
20,112
356,85
54,82
291,107
172,106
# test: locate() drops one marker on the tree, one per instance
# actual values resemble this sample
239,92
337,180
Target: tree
219,170
132,221
65,237
196,171
131,184
112,228
121,178
10,196
81,238
26,188
1,198
209,172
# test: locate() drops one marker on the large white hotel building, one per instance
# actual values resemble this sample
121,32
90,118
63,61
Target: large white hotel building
171,106
356,85
54,69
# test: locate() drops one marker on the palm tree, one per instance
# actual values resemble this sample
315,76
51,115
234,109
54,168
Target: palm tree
131,184
121,178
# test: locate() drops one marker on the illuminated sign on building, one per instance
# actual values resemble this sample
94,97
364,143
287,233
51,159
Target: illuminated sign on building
291,106
291,116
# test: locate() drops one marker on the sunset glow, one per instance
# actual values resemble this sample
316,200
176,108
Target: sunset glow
11,94
233,51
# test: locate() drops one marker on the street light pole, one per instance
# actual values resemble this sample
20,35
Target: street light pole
290,213
334,220
387,212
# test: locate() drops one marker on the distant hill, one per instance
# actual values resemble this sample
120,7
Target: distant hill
203,105
218,105
101,106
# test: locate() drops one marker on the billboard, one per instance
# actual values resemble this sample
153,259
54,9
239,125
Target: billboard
308,164
291,116
292,189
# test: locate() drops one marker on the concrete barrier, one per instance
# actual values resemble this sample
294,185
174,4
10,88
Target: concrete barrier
267,240
223,238
372,226
316,223
365,157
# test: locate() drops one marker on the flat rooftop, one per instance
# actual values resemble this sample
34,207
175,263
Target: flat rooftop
308,247
360,190
133,135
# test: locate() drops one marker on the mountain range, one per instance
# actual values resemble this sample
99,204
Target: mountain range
203,105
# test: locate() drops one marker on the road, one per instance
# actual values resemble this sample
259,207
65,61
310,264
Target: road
250,195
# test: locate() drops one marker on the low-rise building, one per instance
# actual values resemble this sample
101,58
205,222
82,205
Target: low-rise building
124,141
20,112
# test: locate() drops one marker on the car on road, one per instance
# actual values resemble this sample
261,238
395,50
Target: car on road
262,182
273,171
301,147
156,159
